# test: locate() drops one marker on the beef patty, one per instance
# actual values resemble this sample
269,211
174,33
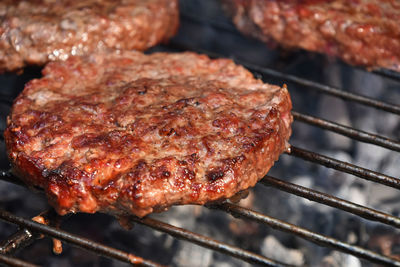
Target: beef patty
133,133
364,32
35,32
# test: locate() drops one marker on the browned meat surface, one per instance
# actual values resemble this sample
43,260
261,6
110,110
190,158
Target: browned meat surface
137,133
360,32
35,32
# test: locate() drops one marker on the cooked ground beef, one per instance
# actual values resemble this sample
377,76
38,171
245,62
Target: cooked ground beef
362,32
35,32
133,133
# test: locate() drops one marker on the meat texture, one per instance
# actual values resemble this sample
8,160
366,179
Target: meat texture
35,32
133,133
360,32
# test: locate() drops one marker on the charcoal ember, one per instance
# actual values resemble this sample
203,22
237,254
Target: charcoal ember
193,255
337,259
275,250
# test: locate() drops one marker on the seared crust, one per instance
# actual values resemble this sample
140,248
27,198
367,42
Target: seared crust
35,32
362,32
135,133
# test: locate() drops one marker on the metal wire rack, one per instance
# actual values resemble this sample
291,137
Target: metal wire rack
30,230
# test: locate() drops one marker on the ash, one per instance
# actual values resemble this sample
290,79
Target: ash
162,248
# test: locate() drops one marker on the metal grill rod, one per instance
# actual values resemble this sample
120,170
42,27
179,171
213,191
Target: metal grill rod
20,239
207,242
241,212
11,261
348,131
24,237
81,242
392,108
394,75
332,201
345,167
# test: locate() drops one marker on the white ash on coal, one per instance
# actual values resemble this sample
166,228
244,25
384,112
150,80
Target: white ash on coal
273,248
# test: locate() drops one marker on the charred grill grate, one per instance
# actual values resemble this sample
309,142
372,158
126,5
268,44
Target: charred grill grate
30,230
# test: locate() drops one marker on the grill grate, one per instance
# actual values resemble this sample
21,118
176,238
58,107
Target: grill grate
348,131
345,167
326,89
207,242
11,261
30,231
332,201
81,242
241,212
388,73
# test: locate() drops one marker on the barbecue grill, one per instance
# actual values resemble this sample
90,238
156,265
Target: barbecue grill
200,24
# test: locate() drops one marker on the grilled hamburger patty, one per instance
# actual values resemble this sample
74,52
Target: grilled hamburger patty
363,32
35,32
134,133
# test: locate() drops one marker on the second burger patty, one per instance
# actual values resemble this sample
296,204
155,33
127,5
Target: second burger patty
364,32
133,133
35,32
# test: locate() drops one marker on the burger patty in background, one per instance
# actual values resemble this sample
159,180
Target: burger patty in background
36,32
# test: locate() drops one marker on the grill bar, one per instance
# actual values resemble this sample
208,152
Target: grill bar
11,261
394,75
24,237
367,101
345,167
207,242
348,131
332,201
20,239
81,242
241,212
